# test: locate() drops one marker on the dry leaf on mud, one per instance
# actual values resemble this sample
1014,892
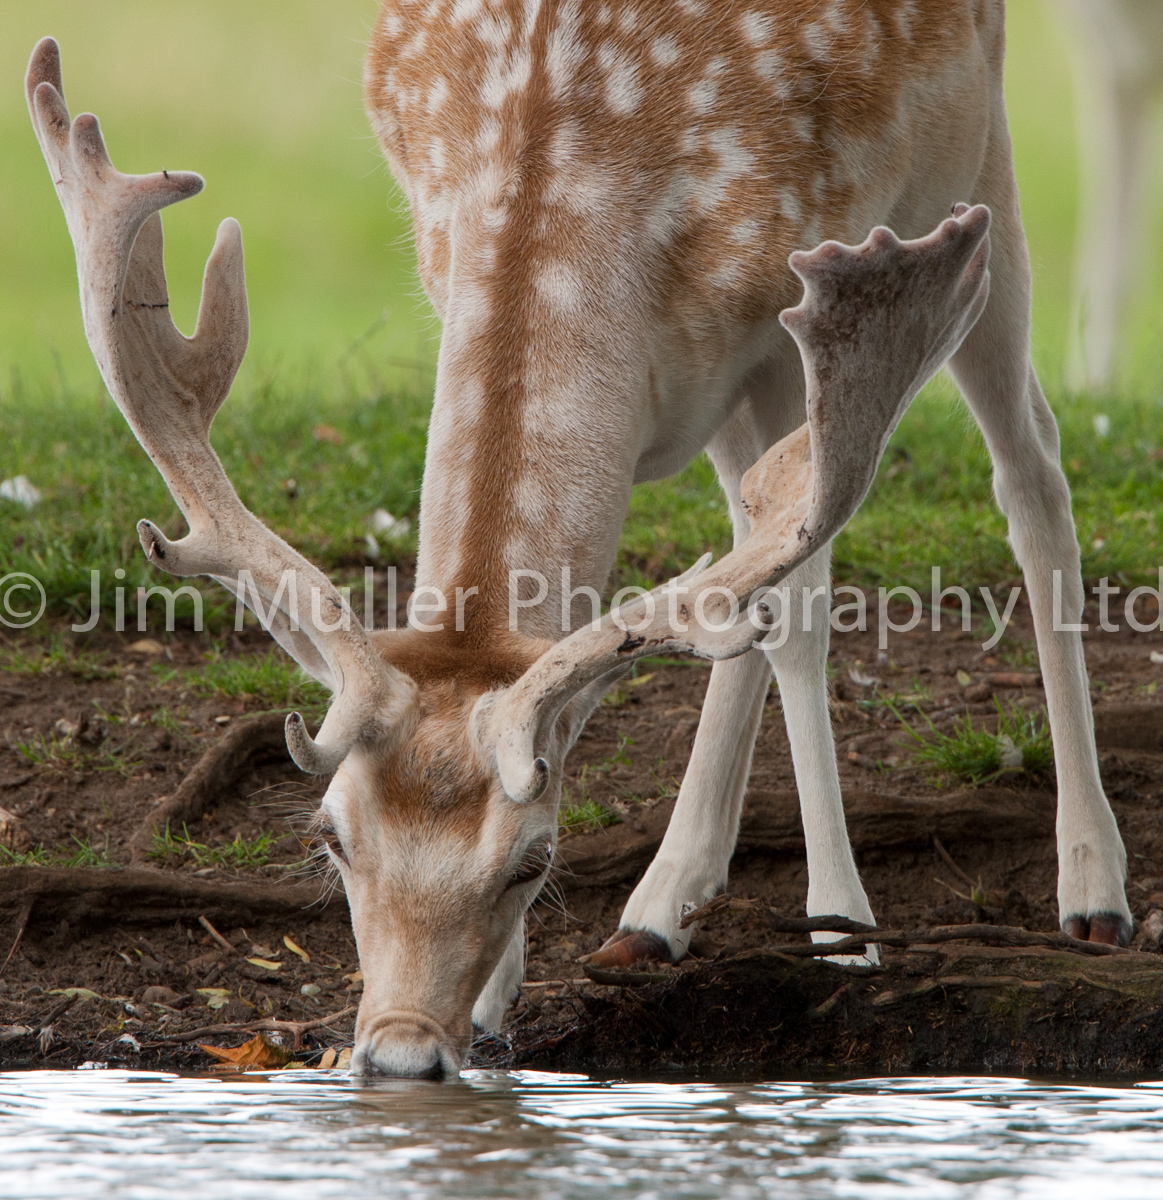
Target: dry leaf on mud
13,835
328,1059
258,1054
80,992
265,963
296,949
343,1062
215,997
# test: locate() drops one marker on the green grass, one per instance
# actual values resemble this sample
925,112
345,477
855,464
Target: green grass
239,854
976,755
584,817
66,756
271,114
272,678
56,656
78,854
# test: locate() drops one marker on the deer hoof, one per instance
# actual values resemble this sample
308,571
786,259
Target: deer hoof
1112,929
627,947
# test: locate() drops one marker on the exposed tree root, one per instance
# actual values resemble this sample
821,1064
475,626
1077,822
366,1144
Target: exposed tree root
143,895
772,825
250,744
863,935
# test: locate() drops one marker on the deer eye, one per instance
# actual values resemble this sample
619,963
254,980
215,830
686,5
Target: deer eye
332,842
533,865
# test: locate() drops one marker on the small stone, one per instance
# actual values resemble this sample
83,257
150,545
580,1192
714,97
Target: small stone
1152,928
160,995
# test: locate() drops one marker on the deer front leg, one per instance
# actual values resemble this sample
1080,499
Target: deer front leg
691,864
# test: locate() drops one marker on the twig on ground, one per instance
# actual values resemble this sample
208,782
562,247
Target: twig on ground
947,859
21,924
227,946
295,1028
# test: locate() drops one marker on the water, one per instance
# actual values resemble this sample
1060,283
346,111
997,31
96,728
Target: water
314,1134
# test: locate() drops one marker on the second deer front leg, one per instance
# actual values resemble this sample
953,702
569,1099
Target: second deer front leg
692,863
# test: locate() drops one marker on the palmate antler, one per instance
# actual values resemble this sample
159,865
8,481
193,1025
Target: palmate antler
877,321
169,389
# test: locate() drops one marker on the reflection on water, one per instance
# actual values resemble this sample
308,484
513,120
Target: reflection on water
315,1134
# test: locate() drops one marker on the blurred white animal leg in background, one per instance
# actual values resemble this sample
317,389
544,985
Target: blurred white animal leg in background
1117,53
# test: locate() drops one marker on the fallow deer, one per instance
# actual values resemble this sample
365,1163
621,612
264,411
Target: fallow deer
606,197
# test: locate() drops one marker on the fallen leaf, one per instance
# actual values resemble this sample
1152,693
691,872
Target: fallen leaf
80,993
13,835
10,1033
325,1063
265,963
964,679
296,949
146,646
257,1054
343,1062
215,997
1156,657
310,989
639,680
327,433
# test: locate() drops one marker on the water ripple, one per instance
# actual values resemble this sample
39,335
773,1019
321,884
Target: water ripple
315,1135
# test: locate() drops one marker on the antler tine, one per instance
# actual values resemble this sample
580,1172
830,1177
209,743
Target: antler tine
170,387
876,323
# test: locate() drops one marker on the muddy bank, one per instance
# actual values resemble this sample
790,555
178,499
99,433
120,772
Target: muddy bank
98,749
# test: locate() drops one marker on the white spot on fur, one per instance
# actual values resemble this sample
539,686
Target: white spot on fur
629,19
565,51
559,285
664,50
790,206
834,17
504,76
745,232
818,42
623,89
803,127
757,27
735,162
702,96
904,19
437,94
465,10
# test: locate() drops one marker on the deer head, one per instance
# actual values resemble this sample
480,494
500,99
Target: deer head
447,759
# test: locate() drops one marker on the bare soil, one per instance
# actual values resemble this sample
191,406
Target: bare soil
736,1004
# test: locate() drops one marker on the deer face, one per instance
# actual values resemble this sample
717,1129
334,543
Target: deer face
439,866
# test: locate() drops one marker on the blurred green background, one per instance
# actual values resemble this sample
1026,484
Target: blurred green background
263,99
